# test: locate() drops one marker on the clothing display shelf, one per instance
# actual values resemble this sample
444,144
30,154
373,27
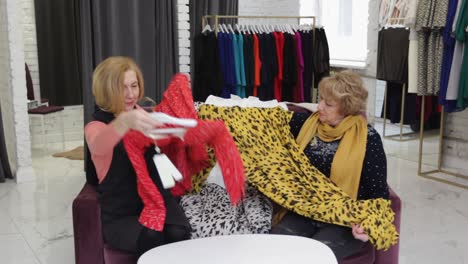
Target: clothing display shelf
440,169
314,92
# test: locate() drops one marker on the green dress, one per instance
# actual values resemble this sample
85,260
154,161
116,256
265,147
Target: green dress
461,34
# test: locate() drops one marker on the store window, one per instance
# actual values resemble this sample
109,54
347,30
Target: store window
345,23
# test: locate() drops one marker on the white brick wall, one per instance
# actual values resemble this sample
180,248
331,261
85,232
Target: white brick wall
13,94
5,85
30,43
184,35
370,84
371,69
268,8
72,117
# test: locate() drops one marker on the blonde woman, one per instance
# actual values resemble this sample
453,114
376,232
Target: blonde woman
117,86
339,142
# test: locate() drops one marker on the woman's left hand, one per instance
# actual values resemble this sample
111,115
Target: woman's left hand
359,233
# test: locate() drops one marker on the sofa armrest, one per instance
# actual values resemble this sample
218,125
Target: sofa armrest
391,255
87,227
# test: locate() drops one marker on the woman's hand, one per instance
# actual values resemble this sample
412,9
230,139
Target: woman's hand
137,119
359,233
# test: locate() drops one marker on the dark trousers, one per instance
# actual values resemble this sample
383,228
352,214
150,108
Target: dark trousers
129,235
340,239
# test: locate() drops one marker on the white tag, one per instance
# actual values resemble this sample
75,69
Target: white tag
167,171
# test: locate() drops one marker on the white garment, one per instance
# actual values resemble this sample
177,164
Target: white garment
397,12
251,101
413,66
454,25
383,12
401,8
455,71
410,19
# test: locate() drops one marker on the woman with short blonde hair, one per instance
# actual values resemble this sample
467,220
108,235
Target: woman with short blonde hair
108,83
346,88
338,141
117,87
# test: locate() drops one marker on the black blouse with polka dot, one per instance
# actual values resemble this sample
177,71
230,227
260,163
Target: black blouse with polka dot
373,182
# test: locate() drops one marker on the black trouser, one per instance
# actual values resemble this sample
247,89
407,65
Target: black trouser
340,239
129,235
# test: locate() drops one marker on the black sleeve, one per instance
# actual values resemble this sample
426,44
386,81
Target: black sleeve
296,122
374,169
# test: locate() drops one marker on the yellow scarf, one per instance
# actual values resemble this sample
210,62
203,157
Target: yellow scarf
347,163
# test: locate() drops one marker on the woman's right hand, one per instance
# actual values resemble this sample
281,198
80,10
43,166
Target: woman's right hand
359,233
137,119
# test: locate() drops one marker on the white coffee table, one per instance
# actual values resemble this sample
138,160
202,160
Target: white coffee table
240,249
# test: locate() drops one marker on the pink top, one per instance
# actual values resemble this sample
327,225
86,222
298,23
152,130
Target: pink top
101,139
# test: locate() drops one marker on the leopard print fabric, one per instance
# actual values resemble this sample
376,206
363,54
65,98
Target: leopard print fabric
210,212
275,165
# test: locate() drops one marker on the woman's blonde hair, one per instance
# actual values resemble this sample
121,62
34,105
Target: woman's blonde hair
346,88
108,83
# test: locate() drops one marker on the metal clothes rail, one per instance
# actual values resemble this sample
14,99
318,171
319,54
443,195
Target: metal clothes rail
314,91
440,169
217,17
402,116
397,22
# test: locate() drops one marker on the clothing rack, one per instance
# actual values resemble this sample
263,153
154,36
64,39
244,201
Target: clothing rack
205,18
217,17
397,21
402,115
428,174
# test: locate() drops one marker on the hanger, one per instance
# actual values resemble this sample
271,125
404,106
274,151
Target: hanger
229,27
247,29
257,27
226,30
278,28
242,29
207,28
220,28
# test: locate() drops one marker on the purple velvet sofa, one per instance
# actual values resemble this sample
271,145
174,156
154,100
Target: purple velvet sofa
90,248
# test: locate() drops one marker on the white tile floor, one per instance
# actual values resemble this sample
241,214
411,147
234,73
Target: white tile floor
36,219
